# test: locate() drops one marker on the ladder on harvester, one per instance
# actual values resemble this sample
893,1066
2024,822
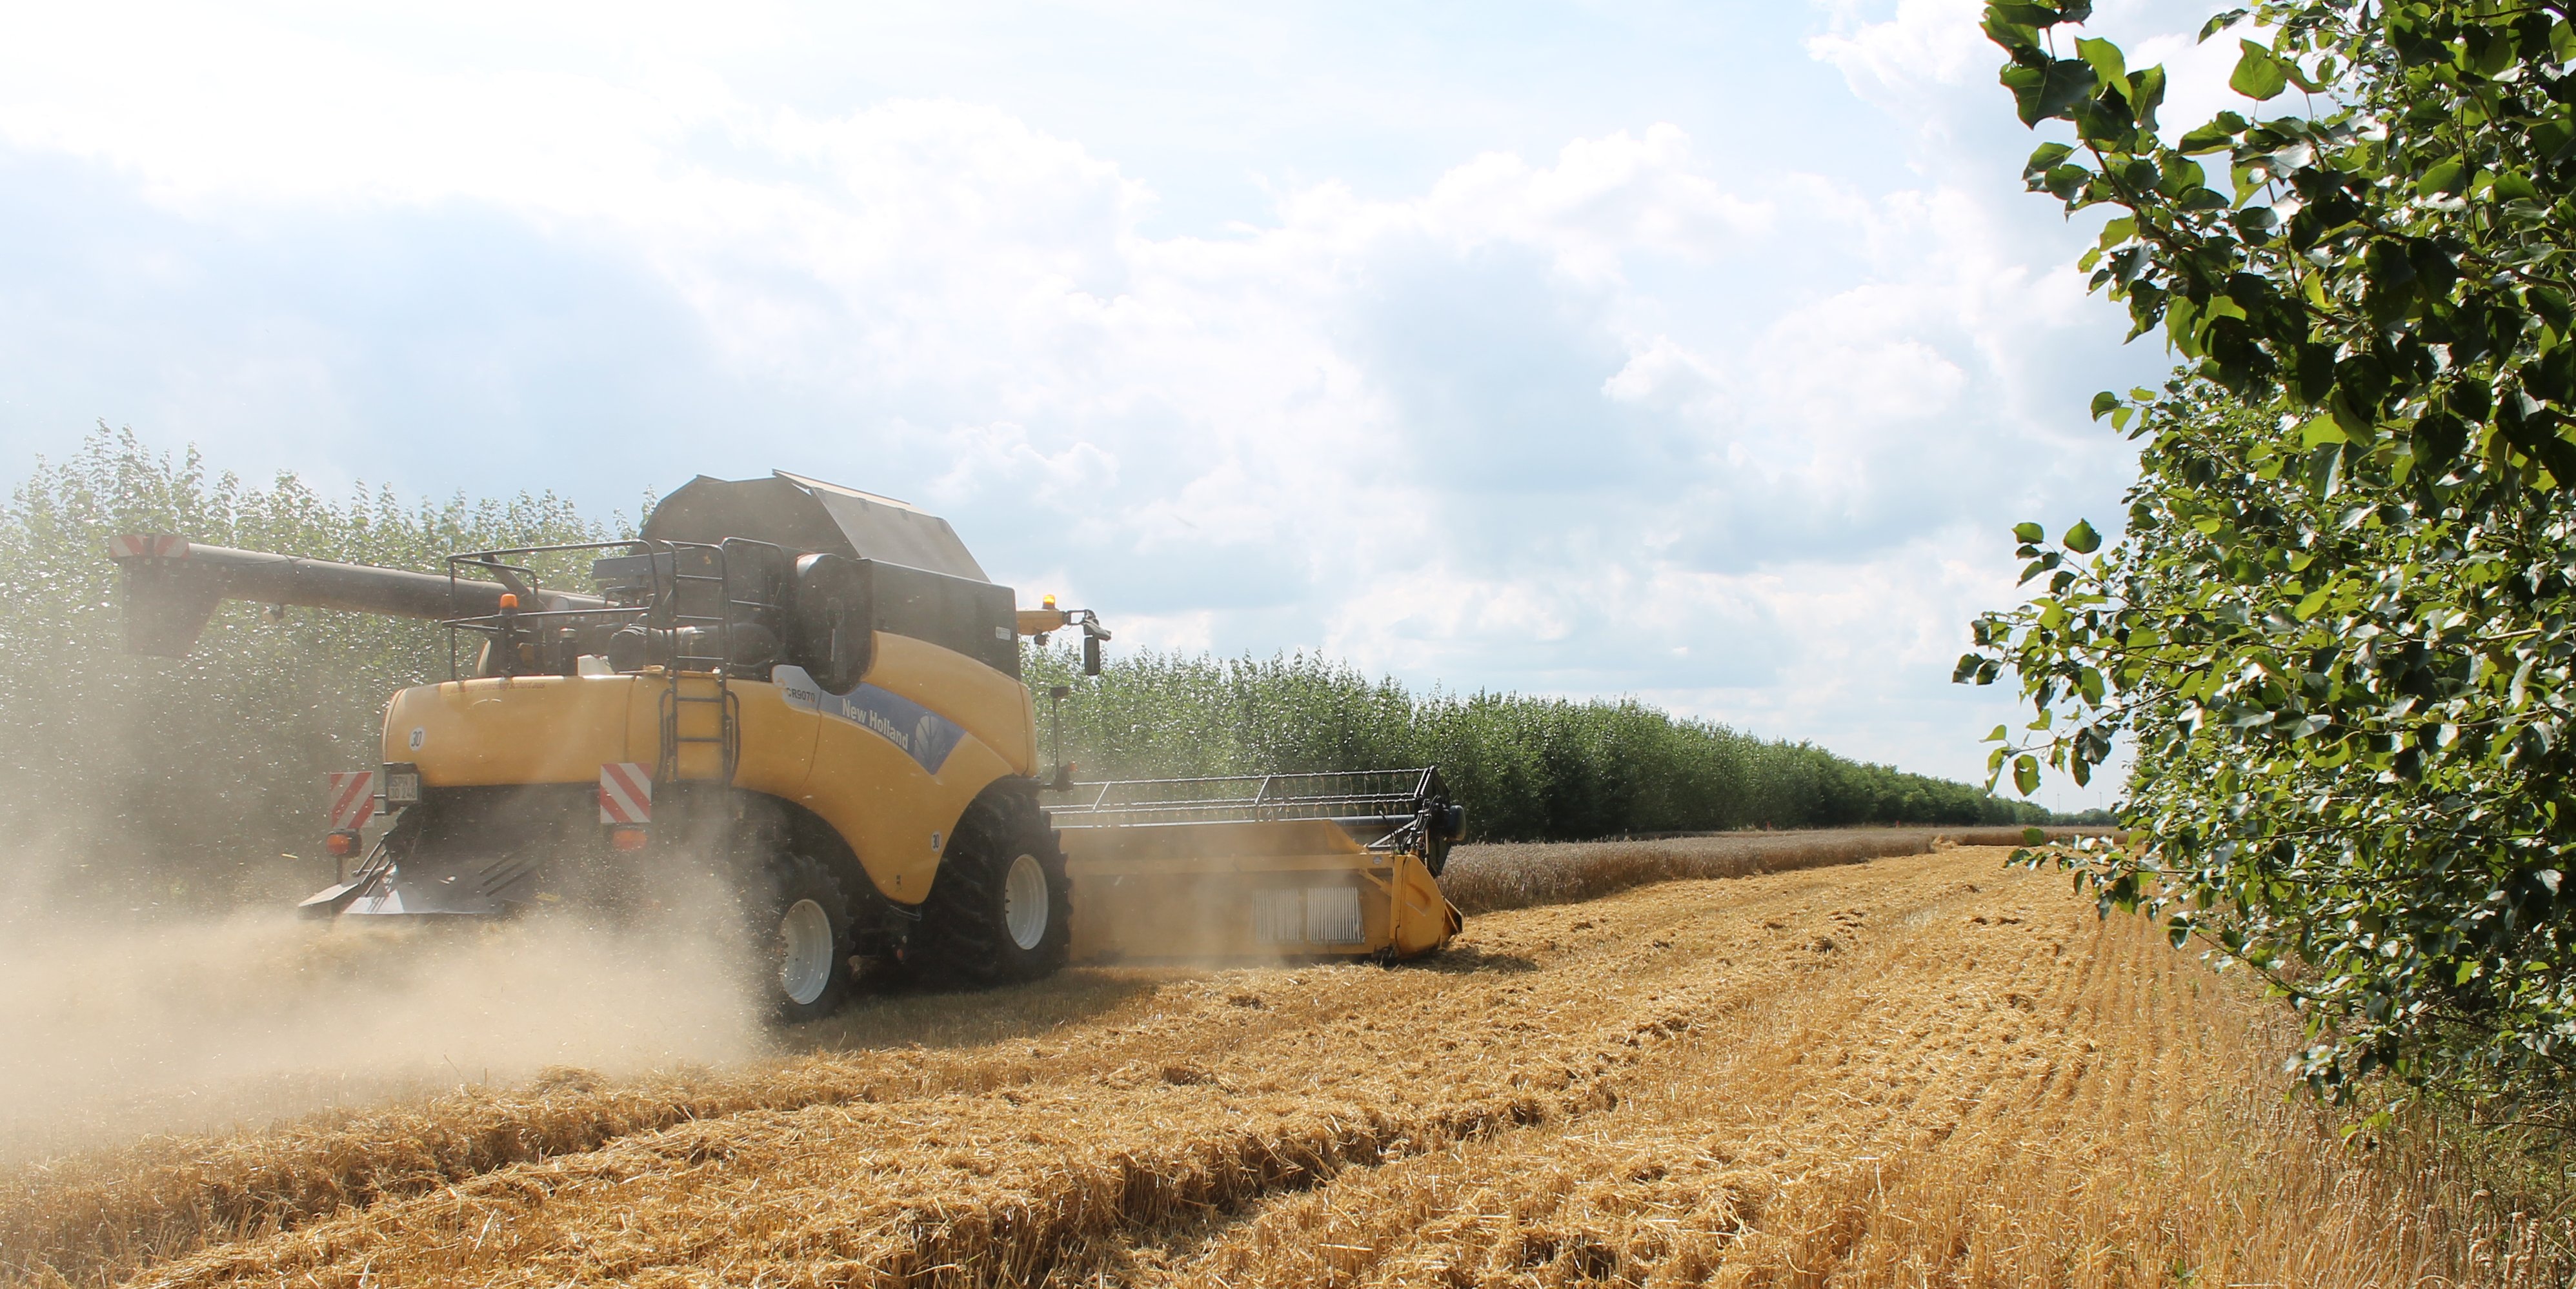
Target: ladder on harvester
715,701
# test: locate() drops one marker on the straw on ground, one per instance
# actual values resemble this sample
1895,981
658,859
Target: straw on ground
1925,1069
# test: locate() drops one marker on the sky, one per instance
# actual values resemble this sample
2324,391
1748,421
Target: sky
1704,354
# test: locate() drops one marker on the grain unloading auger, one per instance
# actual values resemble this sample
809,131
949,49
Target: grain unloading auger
810,696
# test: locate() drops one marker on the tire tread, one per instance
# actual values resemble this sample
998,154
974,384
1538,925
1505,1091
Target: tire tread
962,939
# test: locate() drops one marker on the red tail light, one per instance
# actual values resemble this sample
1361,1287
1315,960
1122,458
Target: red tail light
341,844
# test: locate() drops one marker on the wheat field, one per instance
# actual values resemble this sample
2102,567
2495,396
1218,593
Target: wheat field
1923,1070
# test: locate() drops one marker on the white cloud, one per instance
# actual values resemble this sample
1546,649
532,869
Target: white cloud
1927,45
1667,377
1618,416
1604,201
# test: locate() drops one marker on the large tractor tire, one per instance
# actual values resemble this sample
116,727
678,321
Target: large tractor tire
800,920
1000,909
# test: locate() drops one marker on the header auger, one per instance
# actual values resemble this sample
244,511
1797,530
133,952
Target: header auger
811,697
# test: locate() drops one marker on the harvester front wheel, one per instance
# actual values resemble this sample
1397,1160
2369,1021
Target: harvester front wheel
805,927
998,911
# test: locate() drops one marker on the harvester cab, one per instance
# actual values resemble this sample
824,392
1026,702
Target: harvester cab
803,703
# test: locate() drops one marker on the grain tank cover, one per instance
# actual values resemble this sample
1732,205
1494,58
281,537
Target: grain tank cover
804,514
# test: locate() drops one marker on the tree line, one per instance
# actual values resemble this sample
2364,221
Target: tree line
1530,768
193,781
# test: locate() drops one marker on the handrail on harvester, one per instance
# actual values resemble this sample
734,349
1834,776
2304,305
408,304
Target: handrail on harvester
1353,798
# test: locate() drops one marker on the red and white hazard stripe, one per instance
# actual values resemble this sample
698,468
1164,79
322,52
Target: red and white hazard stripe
625,793
352,798
147,546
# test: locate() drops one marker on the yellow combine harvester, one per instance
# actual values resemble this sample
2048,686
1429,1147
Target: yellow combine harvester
811,695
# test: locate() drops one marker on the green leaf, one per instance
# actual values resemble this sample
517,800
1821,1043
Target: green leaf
2551,306
2438,439
2104,58
2258,76
2026,774
1998,735
2490,51
2029,532
2325,471
2221,22
2217,136
2044,88
2178,176
2146,93
2036,15
2066,181
2003,27
2081,539
2444,177
2104,404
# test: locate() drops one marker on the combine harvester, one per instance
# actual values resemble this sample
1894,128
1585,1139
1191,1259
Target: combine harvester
812,696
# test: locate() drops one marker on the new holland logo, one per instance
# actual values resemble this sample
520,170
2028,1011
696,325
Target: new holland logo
922,734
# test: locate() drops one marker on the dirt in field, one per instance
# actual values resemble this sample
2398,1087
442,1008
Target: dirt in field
1922,1070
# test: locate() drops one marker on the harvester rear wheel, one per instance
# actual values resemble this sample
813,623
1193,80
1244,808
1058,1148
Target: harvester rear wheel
1000,909
802,923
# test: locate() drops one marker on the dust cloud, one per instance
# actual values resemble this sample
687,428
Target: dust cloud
109,1030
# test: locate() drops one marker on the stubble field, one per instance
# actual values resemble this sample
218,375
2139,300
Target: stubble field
1926,1069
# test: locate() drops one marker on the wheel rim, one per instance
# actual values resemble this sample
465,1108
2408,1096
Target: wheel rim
1024,902
805,952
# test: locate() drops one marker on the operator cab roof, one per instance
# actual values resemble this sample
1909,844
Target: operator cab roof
802,515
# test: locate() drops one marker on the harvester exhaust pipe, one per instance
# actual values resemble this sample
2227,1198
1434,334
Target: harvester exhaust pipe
172,586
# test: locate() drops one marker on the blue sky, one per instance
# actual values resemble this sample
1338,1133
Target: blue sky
1704,353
